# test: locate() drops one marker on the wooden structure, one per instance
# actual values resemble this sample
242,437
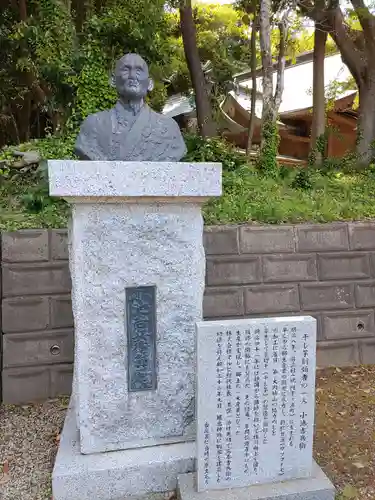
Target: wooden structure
295,114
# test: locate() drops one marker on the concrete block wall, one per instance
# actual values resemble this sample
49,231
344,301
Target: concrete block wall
37,322
327,271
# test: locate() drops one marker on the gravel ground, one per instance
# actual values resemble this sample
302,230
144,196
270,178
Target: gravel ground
28,442
344,438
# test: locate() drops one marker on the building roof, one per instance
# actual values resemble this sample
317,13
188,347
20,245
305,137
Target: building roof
178,104
298,80
244,100
297,94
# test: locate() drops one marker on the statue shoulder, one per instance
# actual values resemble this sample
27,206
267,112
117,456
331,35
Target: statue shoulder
95,121
166,122
169,135
94,129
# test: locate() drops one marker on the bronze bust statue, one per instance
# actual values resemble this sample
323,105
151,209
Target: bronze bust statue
130,131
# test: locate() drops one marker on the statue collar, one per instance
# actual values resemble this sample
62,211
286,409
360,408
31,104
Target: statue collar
127,113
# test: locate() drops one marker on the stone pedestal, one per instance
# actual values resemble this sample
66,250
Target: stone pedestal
145,473
137,265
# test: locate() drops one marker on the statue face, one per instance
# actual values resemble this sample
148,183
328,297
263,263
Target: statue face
132,77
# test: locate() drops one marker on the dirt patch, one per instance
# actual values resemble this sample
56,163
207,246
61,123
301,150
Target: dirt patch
344,438
345,429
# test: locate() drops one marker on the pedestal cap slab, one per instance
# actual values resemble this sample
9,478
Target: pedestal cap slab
121,179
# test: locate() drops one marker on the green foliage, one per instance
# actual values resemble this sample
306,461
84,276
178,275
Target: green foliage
25,203
213,150
249,196
65,75
337,88
49,148
348,164
319,149
25,195
267,162
222,39
36,199
285,171
92,87
35,61
302,180
62,68
295,195
138,26
55,148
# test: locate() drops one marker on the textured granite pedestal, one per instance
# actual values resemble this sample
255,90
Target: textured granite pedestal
116,475
137,265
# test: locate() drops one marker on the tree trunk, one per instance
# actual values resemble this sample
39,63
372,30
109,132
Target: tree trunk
267,162
253,88
99,4
366,120
24,103
283,30
271,102
318,118
203,106
267,67
24,119
81,8
22,10
15,128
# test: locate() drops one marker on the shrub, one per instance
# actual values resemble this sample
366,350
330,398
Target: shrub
213,150
302,180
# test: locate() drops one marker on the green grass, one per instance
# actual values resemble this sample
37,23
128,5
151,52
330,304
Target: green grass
247,197
14,214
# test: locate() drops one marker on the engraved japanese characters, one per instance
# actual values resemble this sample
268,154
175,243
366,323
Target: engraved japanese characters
141,329
256,408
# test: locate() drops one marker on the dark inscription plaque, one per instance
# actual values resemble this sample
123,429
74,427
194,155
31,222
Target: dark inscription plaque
141,331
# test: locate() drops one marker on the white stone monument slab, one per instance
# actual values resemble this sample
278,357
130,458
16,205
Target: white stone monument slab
255,401
135,224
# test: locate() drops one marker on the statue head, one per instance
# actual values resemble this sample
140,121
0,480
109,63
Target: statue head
132,78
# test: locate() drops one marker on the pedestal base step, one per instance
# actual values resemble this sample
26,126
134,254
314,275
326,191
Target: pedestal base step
316,487
137,473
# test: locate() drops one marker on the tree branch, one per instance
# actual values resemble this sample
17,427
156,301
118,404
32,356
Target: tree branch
311,9
365,18
333,20
350,54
